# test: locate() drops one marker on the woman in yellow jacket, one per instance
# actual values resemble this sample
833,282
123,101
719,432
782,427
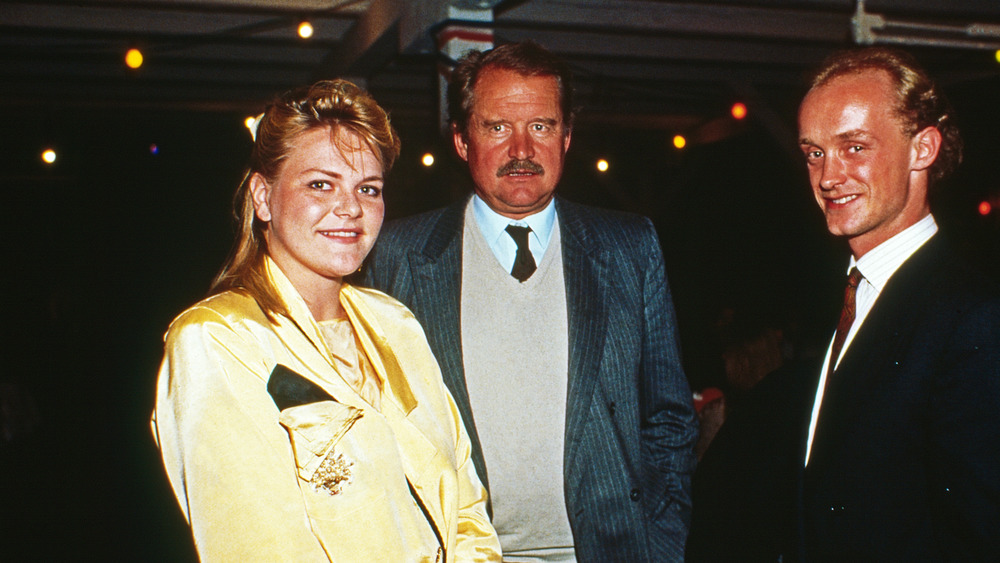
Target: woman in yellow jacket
300,418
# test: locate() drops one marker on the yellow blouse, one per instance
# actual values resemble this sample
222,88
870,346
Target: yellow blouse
316,480
351,363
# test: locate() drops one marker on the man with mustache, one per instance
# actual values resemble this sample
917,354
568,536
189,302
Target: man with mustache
554,327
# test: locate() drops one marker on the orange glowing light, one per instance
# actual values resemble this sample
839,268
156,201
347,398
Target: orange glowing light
427,160
133,58
602,165
305,30
738,111
985,208
680,142
48,156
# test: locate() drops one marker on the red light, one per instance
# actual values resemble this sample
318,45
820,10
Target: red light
739,110
985,208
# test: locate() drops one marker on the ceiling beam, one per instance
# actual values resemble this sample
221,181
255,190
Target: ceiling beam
369,45
702,19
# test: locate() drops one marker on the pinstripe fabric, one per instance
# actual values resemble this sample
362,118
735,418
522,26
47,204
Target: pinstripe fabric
630,424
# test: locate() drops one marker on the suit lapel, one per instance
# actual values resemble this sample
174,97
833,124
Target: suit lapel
868,360
302,338
437,279
585,303
301,335
436,275
398,408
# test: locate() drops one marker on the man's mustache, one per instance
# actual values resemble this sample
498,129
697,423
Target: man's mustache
520,166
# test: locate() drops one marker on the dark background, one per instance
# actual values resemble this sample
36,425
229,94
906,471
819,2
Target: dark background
104,247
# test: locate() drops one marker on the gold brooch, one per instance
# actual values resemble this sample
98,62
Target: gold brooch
332,474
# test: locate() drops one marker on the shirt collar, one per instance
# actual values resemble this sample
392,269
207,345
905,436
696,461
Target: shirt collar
492,224
878,264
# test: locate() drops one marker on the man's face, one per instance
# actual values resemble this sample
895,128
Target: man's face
862,164
516,141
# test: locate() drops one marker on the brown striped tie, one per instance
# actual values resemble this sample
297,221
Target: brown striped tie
846,317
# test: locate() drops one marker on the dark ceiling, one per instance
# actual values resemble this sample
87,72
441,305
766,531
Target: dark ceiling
650,62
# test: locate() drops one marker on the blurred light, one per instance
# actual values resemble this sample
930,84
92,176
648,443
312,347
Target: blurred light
739,110
133,58
305,30
252,123
48,156
427,159
154,149
985,208
679,141
602,165
997,55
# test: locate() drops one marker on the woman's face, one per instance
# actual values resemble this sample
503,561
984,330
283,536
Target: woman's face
324,209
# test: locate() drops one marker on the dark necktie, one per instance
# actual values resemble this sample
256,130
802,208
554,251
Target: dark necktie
524,262
846,317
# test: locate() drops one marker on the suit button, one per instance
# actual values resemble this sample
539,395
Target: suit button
611,408
634,495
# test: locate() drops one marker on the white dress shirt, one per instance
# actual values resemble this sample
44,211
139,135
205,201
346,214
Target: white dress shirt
876,267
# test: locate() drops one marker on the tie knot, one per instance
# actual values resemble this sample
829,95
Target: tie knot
854,278
519,234
524,262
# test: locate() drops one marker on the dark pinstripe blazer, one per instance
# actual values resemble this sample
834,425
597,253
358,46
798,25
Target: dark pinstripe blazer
630,425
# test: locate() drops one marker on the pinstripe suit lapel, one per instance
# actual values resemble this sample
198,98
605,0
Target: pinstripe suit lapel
585,304
436,271
436,274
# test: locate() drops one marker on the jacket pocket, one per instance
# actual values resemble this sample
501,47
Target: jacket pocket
314,430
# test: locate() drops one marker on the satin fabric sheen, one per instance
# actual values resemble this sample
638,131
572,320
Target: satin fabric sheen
239,468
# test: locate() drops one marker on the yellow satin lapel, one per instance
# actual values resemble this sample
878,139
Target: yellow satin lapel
379,352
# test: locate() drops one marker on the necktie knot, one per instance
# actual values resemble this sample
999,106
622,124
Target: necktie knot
847,315
854,278
524,262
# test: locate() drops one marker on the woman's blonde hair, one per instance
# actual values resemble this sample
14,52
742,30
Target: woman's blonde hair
329,103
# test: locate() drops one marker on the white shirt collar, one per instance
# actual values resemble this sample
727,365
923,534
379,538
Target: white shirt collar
878,264
492,224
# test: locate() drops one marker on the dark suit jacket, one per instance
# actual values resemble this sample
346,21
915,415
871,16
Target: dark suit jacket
630,424
905,464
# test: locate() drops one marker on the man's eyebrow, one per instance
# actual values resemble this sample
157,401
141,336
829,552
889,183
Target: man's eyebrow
853,134
545,120
846,135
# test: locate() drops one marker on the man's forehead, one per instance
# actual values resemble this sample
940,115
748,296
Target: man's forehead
507,90
850,102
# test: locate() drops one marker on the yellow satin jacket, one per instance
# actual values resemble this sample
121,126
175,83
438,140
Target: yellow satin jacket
325,477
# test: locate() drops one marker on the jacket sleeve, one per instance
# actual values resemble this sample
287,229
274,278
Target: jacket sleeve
227,458
668,424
